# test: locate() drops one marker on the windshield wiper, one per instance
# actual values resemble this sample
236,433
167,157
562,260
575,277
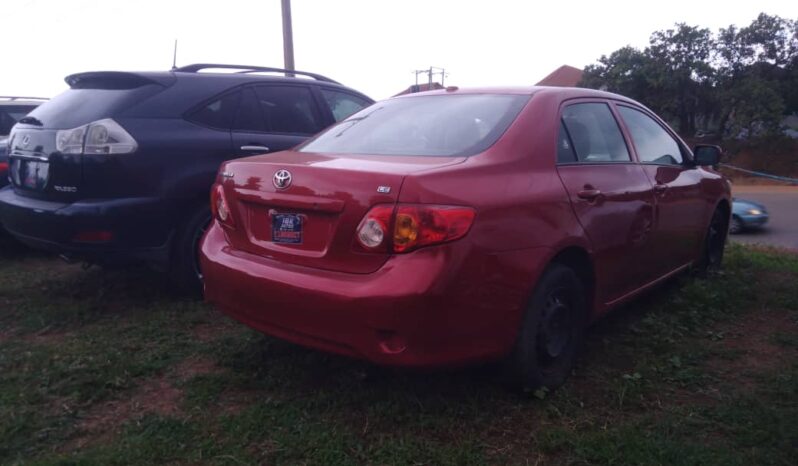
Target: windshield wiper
30,120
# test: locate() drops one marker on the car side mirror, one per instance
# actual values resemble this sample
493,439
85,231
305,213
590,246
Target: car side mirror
706,154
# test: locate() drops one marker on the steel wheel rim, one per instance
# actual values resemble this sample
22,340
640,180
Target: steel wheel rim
555,331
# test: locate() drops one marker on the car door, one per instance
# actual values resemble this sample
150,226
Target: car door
610,194
274,117
680,210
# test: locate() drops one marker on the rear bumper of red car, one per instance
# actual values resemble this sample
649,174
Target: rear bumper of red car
416,310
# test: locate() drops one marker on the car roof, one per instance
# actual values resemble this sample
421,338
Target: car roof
210,74
563,92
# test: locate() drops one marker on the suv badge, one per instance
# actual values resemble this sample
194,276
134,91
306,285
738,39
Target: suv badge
25,141
282,179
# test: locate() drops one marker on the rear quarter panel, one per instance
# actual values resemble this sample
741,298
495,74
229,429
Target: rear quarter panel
523,219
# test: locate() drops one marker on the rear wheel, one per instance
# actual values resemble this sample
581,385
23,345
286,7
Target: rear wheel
551,333
185,270
714,243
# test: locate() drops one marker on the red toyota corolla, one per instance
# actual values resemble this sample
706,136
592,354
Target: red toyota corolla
463,225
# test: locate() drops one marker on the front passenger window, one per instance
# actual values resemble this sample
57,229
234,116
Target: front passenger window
594,133
652,142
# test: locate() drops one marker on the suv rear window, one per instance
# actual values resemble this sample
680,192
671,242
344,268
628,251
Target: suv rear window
436,125
77,107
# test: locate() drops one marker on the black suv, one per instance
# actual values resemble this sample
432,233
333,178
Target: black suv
119,167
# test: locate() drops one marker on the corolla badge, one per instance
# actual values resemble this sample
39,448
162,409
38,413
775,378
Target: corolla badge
25,141
282,179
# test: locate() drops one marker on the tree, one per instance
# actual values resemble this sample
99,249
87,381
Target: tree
740,80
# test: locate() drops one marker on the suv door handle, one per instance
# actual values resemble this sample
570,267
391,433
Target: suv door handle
255,148
589,194
660,188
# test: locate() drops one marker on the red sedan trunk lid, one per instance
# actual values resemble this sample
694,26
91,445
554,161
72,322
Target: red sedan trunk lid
312,221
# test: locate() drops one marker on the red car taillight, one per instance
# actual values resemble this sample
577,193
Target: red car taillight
412,226
220,208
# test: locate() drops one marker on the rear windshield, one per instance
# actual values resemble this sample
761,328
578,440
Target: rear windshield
77,107
435,125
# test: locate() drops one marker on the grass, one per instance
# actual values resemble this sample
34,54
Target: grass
109,367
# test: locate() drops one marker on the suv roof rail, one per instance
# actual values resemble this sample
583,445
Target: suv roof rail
250,69
9,97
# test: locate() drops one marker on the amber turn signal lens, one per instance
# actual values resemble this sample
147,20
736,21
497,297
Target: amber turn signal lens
425,225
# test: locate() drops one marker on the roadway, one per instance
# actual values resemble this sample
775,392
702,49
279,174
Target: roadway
782,205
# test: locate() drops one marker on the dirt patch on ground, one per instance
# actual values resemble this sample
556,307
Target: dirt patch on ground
748,349
194,366
102,422
159,396
210,331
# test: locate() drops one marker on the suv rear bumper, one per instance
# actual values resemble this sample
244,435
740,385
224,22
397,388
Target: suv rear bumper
139,227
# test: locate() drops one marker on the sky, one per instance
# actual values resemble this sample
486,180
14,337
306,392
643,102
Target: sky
370,45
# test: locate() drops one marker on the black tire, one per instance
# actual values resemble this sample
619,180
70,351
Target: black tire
736,225
552,332
184,269
714,243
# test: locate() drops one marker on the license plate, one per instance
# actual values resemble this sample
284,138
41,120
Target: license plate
287,228
32,174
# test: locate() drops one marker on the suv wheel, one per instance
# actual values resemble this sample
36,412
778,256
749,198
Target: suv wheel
185,270
551,333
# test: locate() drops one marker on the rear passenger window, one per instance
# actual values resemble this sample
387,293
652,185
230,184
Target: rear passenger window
342,104
218,113
249,116
565,150
652,142
594,133
288,109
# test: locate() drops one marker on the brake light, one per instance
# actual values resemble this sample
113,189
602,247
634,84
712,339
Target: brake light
3,167
219,206
99,137
420,225
93,236
414,226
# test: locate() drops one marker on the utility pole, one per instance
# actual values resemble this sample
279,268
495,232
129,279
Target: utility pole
288,37
431,72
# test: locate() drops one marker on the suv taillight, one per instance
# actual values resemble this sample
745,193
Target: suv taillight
99,137
411,226
220,208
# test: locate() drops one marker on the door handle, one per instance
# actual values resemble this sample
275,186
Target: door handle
660,188
255,148
589,194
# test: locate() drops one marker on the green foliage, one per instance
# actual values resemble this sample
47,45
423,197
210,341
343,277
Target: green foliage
739,80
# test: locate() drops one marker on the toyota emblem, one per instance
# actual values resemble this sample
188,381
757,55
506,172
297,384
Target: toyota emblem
25,141
282,179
